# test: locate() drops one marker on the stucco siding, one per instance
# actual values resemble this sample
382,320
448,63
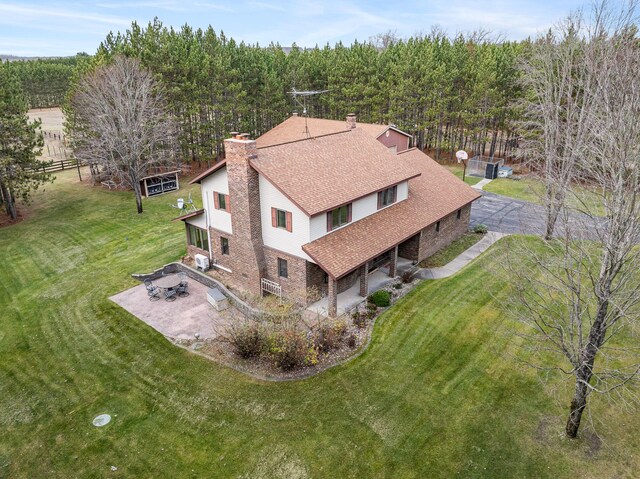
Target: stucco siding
219,182
279,238
361,208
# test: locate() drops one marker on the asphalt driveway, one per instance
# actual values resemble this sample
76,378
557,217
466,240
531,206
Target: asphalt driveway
508,215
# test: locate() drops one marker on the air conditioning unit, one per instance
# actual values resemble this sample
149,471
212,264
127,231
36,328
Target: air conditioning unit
202,262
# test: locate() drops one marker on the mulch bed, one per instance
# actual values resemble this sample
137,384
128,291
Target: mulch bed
221,351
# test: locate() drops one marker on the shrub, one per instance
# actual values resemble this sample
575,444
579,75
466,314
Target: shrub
248,339
407,277
326,338
480,229
352,341
359,319
289,349
380,298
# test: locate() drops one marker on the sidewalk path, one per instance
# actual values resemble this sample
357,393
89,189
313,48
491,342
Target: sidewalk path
481,184
462,260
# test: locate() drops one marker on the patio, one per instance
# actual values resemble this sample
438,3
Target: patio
350,298
179,319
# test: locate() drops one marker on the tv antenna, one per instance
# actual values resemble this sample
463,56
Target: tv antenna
304,94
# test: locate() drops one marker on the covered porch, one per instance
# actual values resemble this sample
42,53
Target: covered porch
372,275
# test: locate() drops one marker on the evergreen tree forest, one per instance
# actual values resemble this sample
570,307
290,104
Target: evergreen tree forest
45,81
449,93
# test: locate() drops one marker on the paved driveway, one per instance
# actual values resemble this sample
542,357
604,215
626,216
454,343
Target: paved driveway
508,215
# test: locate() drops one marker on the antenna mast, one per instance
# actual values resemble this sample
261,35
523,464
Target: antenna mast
304,94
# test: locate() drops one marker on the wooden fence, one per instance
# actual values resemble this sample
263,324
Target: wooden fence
57,165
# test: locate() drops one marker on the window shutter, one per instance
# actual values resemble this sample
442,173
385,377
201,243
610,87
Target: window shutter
329,222
380,199
274,221
349,213
216,203
395,193
289,225
227,203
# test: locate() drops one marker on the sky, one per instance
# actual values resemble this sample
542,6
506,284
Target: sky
65,27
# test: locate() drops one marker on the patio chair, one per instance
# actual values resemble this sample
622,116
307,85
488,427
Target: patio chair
184,284
152,290
170,294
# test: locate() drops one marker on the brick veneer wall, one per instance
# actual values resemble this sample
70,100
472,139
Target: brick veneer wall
410,249
451,229
246,252
294,286
194,250
316,279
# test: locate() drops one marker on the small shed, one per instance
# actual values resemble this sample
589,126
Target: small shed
216,299
159,183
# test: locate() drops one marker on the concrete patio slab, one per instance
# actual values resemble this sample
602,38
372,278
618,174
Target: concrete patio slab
349,299
180,319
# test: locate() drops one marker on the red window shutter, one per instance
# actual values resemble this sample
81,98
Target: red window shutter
289,222
349,213
379,199
274,221
227,203
216,203
329,222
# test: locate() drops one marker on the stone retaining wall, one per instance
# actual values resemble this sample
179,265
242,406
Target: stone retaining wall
208,281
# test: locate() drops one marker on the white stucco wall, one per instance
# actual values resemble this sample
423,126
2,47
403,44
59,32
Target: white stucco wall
199,221
279,238
217,181
361,208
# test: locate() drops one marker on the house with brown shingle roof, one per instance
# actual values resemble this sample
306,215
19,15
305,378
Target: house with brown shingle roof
315,206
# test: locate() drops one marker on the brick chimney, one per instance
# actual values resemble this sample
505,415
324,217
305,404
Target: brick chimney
351,121
246,254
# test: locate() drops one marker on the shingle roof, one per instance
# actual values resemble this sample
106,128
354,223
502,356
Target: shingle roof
293,129
319,174
189,215
432,196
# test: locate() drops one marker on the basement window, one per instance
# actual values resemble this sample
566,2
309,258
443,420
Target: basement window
224,245
283,268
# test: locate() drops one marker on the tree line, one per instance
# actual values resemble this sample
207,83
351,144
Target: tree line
44,81
450,93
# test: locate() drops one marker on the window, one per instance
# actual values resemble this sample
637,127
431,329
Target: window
197,237
224,245
437,227
339,217
281,219
221,201
387,197
458,214
282,268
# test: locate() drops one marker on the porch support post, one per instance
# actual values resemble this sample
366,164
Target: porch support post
393,263
364,280
333,297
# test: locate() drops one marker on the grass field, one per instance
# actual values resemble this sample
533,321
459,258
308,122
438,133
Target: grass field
530,189
451,252
458,171
436,395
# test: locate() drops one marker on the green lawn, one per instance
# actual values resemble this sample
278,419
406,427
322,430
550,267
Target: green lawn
449,253
458,171
437,394
531,189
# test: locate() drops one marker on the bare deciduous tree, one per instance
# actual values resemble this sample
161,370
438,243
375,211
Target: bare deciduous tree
120,122
555,77
579,294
